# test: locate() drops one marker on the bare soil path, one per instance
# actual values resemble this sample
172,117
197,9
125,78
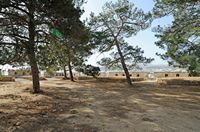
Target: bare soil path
91,106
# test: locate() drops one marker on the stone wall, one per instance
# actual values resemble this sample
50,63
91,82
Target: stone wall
146,74
171,74
113,74
19,72
121,74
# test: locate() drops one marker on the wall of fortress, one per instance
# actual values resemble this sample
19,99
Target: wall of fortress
118,74
146,74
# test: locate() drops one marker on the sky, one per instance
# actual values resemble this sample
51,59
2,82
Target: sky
145,39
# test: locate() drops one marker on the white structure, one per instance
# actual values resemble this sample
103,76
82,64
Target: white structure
42,73
4,69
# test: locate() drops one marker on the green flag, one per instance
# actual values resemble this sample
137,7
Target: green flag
56,32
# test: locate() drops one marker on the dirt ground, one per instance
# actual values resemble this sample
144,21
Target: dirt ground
91,106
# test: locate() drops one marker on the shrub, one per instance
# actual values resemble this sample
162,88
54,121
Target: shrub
91,70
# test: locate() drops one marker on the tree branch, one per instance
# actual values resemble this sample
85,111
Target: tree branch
20,9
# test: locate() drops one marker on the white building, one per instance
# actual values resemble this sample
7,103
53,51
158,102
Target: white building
4,69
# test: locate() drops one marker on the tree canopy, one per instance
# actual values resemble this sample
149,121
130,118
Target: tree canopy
133,57
25,27
181,40
71,51
118,21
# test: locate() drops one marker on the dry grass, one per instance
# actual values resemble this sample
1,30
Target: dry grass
96,106
6,79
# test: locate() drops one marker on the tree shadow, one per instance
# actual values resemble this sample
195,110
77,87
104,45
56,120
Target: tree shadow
88,104
42,112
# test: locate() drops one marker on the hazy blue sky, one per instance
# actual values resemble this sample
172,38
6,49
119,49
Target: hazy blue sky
144,39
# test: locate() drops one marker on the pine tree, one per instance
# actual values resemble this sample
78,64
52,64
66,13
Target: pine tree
181,40
25,27
118,21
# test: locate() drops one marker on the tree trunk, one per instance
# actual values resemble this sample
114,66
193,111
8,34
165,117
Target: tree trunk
123,63
65,73
70,70
31,50
35,72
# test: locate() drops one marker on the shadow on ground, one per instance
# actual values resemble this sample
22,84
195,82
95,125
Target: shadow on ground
91,106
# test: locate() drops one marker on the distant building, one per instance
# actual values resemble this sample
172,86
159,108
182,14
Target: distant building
150,72
5,69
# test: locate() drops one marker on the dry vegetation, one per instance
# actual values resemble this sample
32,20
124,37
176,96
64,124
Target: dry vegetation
96,106
6,79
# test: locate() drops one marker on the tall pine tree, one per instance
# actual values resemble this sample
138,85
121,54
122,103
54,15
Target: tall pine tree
25,27
118,21
181,39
